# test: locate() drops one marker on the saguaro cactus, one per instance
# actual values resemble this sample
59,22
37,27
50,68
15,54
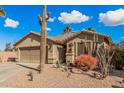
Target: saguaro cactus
43,24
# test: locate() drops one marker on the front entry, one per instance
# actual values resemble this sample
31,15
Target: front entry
84,48
81,49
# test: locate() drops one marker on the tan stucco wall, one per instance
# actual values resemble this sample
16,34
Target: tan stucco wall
4,56
50,51
31,40
58,54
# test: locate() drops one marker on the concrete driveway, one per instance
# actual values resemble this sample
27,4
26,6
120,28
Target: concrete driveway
9,69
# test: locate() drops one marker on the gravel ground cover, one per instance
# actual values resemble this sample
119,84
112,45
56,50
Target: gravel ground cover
55,78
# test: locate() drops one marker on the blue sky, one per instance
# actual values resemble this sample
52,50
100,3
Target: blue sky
20,20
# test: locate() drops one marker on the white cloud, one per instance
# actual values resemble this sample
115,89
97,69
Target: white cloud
48,29
50,19
73,17
112,18
11,23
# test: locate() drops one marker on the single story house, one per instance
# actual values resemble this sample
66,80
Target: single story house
62,48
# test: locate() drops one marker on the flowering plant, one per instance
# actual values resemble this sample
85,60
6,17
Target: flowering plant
86,62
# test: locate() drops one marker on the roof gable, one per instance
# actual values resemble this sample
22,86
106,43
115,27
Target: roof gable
28,40
37,35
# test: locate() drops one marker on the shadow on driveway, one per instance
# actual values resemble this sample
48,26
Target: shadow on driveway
28,66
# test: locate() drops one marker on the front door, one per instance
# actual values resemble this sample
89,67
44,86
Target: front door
81,49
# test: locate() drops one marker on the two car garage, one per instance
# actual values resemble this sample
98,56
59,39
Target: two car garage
30,55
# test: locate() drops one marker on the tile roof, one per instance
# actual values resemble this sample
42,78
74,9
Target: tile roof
69,35
63,37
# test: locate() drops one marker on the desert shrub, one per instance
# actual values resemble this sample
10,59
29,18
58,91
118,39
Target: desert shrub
118,58
86,62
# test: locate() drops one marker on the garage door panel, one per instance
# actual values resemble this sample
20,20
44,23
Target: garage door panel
30,56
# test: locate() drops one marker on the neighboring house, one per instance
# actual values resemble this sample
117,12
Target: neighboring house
62,48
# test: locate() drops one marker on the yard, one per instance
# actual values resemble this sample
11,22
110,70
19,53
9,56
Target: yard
56,78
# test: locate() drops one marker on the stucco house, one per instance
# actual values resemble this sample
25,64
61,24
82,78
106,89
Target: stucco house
63,48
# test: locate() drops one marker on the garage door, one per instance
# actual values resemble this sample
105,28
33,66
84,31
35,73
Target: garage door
30,55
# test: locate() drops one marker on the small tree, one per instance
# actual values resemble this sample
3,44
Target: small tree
118,57
8,47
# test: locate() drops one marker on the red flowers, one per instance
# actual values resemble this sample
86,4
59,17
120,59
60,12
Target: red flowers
86,62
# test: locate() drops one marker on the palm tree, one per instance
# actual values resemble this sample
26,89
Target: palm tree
2,12
67,29
43,24
92,29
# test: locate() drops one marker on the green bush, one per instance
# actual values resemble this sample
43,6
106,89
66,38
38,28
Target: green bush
118,58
